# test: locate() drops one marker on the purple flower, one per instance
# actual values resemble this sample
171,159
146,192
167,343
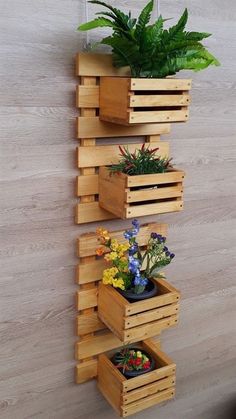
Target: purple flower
135,223
154,235
172,255
133,249
168,254
165,249
137,281
144,282
134,264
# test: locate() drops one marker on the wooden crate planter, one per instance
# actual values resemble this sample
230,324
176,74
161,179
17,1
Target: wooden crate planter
128,101
133,395
131,322
134,196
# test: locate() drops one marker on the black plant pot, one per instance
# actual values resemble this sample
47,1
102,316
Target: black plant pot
132,374
149,292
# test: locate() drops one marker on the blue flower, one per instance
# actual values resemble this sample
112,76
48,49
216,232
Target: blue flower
134,264
137,281
144,282
128,234
135,223
133,249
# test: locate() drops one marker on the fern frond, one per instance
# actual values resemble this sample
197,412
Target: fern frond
99,22
143,20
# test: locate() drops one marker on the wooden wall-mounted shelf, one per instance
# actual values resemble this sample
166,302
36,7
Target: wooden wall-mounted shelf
142,319
129,396
129,101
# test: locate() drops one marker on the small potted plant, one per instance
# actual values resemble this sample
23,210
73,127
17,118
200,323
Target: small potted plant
141,183
152,54
132,285
133,362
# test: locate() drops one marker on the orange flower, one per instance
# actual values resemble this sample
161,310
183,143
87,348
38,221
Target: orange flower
100,251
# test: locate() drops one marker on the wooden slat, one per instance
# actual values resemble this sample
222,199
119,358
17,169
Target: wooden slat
149,330
88,243
159,178
150,194
90,272
87,298
150,315
160,116
92,127
88,323
148,402
86,371
91,212
88,64
96,345
148,390
87,185
160,84
87,96
110,154
159,100
151,209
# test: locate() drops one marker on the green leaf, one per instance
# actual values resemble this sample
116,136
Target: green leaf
180,25
143,20
100,22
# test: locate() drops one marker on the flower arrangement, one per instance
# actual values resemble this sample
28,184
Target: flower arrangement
132,360
130,268
142,162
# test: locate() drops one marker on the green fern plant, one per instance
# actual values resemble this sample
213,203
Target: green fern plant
150,50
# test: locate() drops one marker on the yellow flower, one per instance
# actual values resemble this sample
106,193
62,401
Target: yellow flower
139,354
109,275
111,256
118,283
114,245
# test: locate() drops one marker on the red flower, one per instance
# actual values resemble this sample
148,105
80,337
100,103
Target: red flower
138,361
146,365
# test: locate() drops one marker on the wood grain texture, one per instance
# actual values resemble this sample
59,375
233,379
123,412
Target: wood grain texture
38,168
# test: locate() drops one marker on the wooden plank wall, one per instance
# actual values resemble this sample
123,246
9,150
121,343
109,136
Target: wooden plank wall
38,234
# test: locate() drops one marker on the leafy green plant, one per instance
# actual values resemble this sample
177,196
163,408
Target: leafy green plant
142,162
150,50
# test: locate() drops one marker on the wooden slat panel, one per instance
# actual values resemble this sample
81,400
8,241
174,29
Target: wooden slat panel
150,194
91,212
110,154
90,272
157,374
96,345
88,323
148,390
86,371
148,402
160,84
88,243
87,96
92,127
88,64
160,116
87,185
151,209
87,298
159,100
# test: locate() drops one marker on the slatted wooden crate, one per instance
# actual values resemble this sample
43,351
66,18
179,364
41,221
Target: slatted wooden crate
134,196
95,337
142,319
129,396
128,101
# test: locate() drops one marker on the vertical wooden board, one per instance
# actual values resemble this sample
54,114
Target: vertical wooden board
85,371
